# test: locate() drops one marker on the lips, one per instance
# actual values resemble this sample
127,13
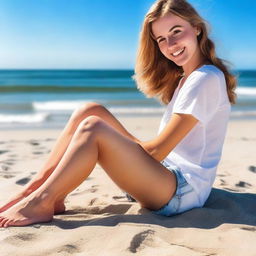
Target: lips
178,53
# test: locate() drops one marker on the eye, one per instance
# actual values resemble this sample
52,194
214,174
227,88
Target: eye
177,31
160,40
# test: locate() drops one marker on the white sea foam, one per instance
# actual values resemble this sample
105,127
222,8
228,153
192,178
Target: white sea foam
44,118
246,91
57,105
69,106
138,110
25,118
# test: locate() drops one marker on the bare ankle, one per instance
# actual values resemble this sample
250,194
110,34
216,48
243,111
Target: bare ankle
48,195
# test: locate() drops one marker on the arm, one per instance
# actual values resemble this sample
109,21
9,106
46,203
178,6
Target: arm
177,128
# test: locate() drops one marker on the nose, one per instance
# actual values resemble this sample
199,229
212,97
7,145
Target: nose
170,43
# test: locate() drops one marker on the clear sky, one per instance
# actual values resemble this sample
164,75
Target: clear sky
104,33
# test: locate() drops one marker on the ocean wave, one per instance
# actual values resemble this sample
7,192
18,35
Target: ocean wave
24,118
68,106
246,91
48,117
57,105
52,112
17,106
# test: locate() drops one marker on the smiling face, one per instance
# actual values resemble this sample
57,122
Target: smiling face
177,40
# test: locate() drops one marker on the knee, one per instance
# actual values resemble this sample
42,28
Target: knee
85,110
91,124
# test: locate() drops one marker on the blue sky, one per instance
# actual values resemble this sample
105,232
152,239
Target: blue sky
104,34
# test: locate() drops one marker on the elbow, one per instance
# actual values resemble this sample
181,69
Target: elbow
150,150
153,151
156,155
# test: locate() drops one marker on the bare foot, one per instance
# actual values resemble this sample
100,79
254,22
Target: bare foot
59,206
12,201
32,209
18,197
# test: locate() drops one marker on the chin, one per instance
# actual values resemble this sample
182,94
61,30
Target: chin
182,63
179,64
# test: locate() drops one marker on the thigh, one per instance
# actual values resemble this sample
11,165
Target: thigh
133,169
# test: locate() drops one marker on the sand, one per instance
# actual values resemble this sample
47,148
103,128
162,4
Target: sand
100,221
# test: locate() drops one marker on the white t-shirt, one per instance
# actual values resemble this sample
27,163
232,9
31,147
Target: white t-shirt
203,95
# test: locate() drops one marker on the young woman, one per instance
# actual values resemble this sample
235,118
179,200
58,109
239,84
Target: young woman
173,172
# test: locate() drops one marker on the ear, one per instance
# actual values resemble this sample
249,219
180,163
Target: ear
197,31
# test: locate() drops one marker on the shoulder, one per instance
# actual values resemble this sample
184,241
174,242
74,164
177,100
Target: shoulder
210,72
206,76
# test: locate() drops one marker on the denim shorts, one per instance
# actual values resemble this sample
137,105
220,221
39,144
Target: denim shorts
185,197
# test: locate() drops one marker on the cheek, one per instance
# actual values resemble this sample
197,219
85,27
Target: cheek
190,38
163,49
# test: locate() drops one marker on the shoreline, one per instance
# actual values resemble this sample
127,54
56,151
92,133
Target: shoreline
60,126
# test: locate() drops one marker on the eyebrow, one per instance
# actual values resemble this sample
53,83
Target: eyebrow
176,26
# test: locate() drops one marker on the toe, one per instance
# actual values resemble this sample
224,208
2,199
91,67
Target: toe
3,222
7,223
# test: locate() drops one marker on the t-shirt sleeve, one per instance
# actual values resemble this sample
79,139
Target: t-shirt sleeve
199,96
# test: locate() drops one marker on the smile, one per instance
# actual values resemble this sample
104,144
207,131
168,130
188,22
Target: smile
175,54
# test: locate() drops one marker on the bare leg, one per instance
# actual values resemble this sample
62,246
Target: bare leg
125,161
60,148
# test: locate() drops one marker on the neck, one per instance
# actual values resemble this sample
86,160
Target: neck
197,61
187,73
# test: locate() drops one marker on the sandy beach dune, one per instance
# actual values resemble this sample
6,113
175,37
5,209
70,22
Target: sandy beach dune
100,221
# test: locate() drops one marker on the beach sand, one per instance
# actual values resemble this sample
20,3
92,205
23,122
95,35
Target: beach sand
100,221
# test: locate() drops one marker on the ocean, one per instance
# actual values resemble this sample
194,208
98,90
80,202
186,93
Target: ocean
46,98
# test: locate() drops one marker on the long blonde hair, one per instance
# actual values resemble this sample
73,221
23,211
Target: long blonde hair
156,76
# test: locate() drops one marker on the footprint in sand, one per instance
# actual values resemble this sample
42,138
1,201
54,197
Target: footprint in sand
93,189
3,151
68,248
8,176
223,182
49,139
9,161
5,168
38,152
33,142
221,175
139,239
23,181
243,184
109,209
20,237
92,202
252,168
